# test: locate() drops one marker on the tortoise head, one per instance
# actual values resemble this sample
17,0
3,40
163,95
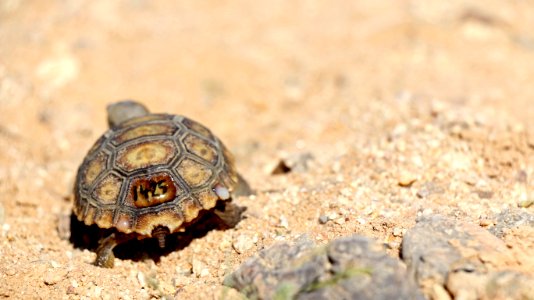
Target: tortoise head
122,111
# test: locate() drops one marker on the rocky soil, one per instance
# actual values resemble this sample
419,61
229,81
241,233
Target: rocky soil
403,129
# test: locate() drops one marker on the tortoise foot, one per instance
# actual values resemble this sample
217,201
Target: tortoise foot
104,253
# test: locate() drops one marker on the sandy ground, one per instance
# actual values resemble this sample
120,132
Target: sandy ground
403,106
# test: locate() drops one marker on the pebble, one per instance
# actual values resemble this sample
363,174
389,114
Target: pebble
197,267
429,188
525,203
244,242
71,290
204,272
54,264
509,219
299,162
525,199
406,178
141,278
97,291
283,222
54,276
485,222
323,219
398,232
484,194
340,221
74,283
184,271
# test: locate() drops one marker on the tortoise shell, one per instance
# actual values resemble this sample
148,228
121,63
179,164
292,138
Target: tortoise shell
150,171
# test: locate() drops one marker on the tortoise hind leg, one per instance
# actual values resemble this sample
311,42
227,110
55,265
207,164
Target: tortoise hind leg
229,213
104,253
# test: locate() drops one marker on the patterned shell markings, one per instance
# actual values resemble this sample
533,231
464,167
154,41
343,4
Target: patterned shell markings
154,170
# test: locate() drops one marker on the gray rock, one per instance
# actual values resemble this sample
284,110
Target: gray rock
509,219
426,251
348,268
444,253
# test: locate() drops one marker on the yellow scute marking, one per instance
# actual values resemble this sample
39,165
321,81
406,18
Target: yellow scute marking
201,148
94,168
145,154
108,189
193,173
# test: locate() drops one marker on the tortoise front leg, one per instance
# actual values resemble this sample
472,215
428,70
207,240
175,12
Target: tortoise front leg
104,253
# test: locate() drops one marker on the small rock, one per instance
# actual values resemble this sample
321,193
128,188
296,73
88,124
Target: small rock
54,276
429,188
398,231
197,267
484,194
521,176
485,222
97,291
243,243
406,178
183,268
283,222
293,163
340,221
204,273
71,290
526,203
510,219
141,278
54,264
323,219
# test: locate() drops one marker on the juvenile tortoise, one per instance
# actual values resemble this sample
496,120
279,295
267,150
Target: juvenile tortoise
151,175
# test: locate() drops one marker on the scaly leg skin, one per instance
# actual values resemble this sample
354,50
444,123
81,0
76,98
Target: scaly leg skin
104,252
230,214
125,110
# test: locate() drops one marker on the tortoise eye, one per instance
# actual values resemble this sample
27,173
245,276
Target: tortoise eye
152,190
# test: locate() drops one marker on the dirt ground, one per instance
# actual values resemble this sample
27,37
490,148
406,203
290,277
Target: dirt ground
384,109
